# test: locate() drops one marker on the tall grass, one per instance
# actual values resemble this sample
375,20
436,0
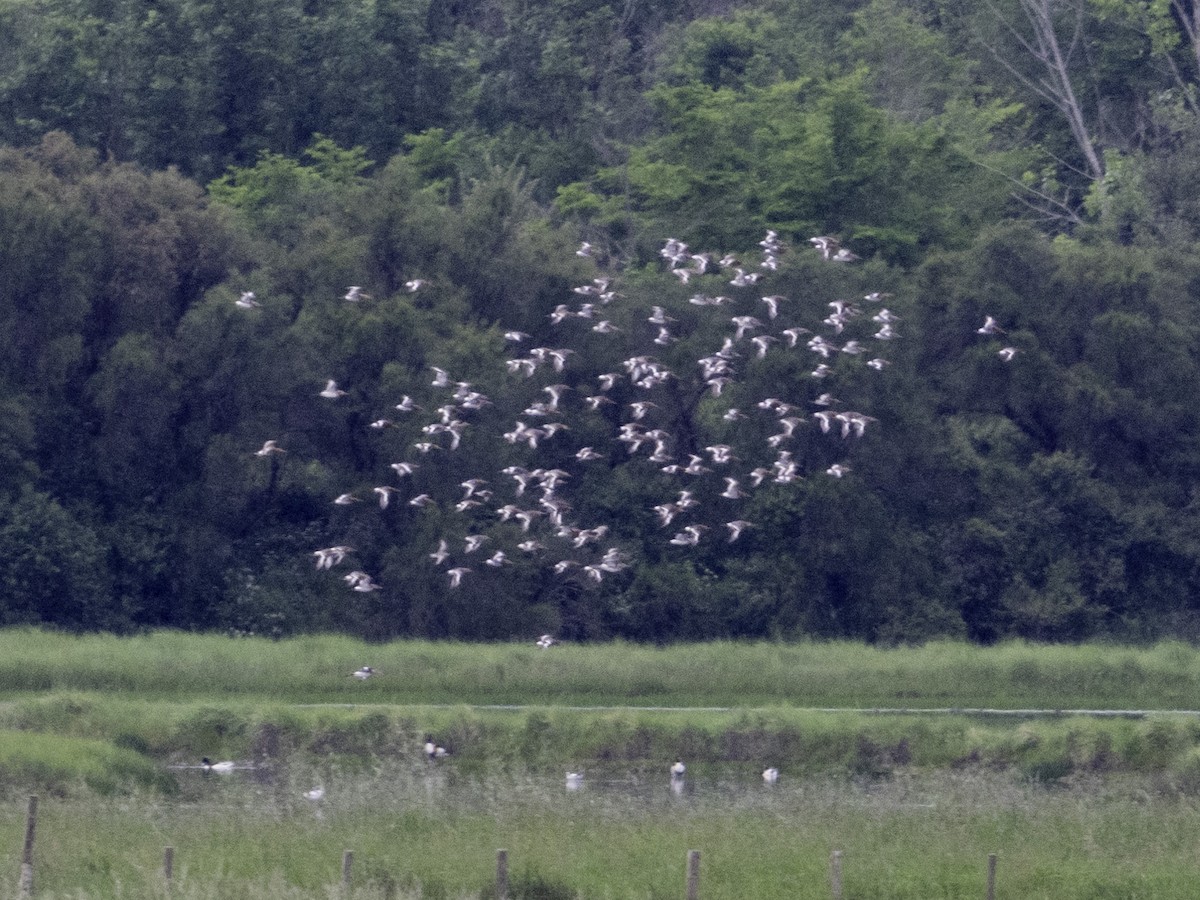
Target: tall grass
317,669
901,839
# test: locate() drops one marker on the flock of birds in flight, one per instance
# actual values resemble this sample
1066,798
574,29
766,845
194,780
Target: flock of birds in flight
533,500
634,402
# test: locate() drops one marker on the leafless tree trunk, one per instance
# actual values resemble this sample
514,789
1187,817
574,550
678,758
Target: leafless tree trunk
1040,40
1187,13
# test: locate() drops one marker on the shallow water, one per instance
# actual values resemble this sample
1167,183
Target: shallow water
614,793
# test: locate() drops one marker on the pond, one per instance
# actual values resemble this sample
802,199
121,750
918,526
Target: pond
442,789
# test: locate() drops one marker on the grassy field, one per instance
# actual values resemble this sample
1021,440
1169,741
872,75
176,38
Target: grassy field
107,731
316,669
906,838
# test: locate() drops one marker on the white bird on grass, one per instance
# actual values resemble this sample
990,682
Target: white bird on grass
434,750
209,766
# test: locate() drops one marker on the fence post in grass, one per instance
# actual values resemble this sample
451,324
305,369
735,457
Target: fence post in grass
501,875
991,878
347,862
25,888
835,874
168,864
693,875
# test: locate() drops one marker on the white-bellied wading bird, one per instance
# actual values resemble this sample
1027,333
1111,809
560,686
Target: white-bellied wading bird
365,584
269,448
246,301
385,492
331,556
456,574
825,245
223,767
363,673
989,326
434,750
315,795
1007,353
678,769
354,294
736,527
770,775
331,391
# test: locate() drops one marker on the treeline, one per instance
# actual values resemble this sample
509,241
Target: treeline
165,160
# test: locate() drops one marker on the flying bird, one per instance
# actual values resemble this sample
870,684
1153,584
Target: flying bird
736,527
989,326
269,448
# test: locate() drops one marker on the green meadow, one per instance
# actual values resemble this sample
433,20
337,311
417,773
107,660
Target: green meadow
108,732
1012,675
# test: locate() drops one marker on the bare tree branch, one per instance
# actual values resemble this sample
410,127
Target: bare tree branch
1056,86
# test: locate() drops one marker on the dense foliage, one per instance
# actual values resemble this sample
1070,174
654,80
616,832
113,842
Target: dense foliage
1032,161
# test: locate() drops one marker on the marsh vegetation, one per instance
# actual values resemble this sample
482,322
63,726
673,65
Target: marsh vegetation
109,732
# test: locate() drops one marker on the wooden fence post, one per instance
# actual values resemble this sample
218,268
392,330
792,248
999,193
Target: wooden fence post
693,875
835,874
991,878
501,875
168,864
347,863
25,887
